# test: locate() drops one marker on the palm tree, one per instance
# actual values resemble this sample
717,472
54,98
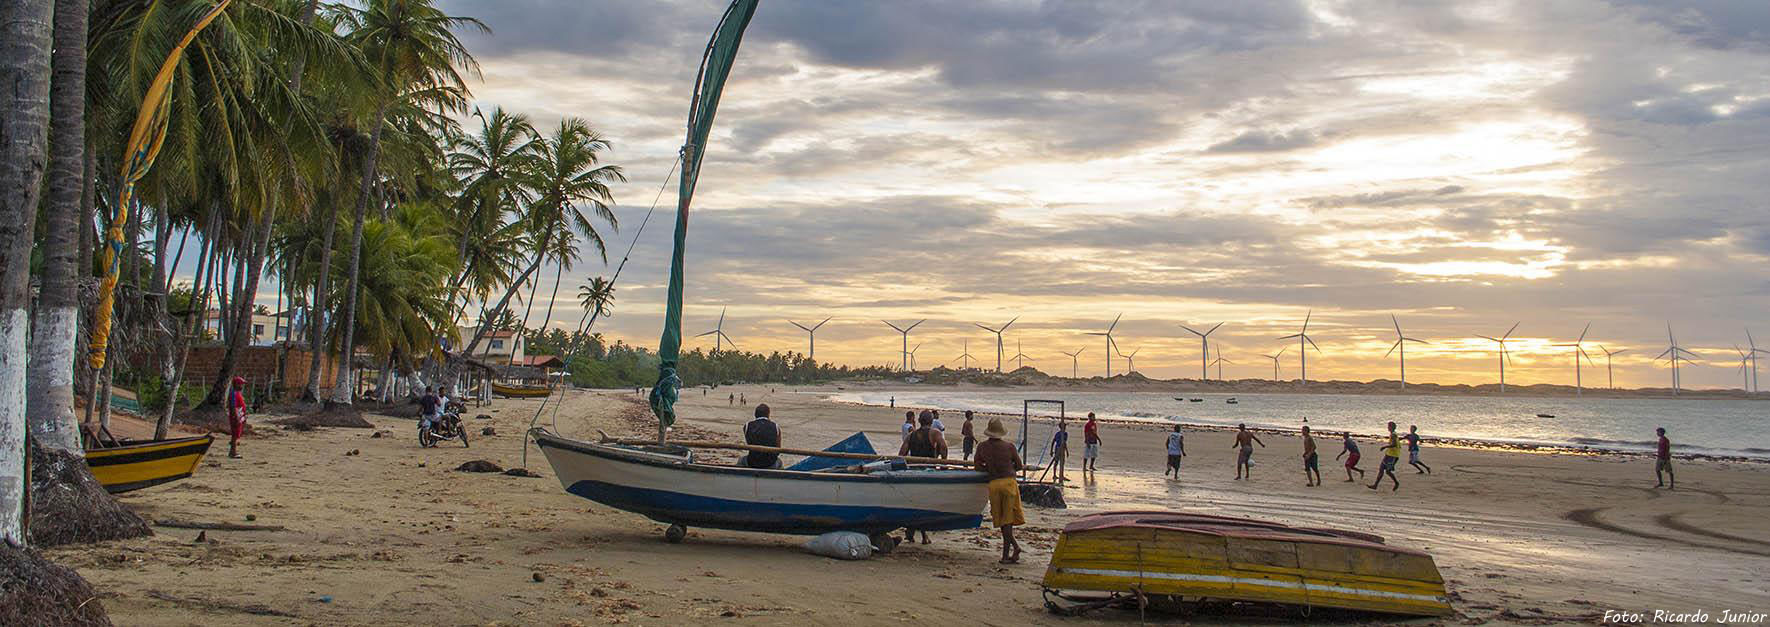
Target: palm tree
56,321
564,173
24,70
489,164
413,48
597,299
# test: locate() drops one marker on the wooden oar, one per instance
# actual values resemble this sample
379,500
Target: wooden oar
928,461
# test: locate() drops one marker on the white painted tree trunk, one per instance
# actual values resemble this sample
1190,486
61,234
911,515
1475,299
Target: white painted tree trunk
51,403
14,324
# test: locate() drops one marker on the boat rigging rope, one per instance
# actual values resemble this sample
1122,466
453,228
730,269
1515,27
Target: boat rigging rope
591,321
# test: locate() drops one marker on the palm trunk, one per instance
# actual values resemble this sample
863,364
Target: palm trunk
24,71
178,344
341,394
485,323
316,308
51,401
257,247
558,275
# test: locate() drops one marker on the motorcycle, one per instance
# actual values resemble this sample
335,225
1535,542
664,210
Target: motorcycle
446,427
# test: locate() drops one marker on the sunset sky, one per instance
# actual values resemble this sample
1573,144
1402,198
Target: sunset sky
1463,166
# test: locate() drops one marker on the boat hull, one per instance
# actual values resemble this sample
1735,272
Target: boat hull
517,391
668,488
147,464
1237,559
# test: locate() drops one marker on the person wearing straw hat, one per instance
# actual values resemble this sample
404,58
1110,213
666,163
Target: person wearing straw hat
997,458
236,416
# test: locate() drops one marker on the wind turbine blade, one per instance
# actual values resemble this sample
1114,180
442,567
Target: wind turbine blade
1213,329
1281,350
1415,340
893,326
917,324
801,326
1662,355
1582,333
1508,334
1097,333
1306,318
1312,343
722,316
1189,330
1293,335
1397,325
1505,353
1490,339
980,326
1115,323
707,333
814,327
1392,348
1010,323
1582,353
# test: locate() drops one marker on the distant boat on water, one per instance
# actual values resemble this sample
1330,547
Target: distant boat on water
1545,415
1232,401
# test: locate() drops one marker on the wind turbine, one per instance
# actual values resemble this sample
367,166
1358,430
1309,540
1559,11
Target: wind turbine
1607,355
1579,388
1074,361
1401,345
812,331
1020,358
1303,344
912,355
966,357
718,333
1504,355
1673,354
1753,345
998,333
1204,350
1745,375
1274,357
905,331
1111,346
1219,363
1130,363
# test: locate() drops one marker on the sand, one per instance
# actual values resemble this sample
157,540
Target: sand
379,531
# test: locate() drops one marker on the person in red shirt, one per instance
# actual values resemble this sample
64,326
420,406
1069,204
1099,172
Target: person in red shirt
1090,444
1663,466
236,416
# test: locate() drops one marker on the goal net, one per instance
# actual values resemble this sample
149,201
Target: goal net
1038,425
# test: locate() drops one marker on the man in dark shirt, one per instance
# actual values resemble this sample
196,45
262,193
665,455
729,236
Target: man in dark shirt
924,441
762,432
427,408
969,435
1662,467
998,459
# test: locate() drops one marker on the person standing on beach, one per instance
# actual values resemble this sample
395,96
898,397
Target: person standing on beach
1349,450
1413,451
938,426
1244,461
1176,450
1311,462
969,435
1662,467
1090,444
731,398
909,424
998,459
1060,450
236,416
1391,457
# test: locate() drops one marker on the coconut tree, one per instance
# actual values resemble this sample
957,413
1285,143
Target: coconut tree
597,298
566,172
489,163
56,319
24,70
413,48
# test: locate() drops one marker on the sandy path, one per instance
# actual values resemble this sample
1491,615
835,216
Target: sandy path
393,536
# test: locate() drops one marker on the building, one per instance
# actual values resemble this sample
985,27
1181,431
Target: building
497,347
263,327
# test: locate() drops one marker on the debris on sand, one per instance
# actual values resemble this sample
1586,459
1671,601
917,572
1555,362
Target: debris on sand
1043,495
68,506
479,465
35,591
483,417
353,452
344,416
488,431
522,472
538,577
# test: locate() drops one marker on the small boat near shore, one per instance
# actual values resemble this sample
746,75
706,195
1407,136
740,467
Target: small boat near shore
1545,415
520,391
1231,400
1193,557
132,465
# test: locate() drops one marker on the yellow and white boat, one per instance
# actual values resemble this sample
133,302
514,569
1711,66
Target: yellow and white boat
136,465
520,391
1199,557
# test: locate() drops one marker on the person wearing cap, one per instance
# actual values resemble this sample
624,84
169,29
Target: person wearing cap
762,432
998,459
236,416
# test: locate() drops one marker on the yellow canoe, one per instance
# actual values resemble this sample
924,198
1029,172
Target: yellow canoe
519,391
133,466
1193,556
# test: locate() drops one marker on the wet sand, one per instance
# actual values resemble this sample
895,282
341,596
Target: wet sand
392,535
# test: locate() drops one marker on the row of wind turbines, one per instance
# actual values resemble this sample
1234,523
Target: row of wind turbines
1674,354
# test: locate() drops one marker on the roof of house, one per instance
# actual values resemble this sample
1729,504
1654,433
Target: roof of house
541,361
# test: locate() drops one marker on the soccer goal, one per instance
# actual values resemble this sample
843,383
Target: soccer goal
1035,438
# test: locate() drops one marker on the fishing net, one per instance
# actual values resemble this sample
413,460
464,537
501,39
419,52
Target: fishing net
1038,427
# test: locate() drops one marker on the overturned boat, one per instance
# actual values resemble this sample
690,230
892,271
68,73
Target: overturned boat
131,465
1195,557
665,483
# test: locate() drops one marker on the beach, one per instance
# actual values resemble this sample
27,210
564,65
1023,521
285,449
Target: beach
375,530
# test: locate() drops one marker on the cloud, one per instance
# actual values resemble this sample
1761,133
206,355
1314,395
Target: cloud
1259,140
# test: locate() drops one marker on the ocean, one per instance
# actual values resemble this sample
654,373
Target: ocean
1709,426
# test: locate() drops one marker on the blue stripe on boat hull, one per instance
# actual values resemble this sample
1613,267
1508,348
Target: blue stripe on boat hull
701,511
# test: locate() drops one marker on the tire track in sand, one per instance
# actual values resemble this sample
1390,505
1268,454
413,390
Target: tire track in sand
1589,518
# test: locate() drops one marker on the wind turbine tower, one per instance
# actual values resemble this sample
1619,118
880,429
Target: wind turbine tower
1020,357
1111,346
1674,354
1204,349
905,332
1753,350
1274,357
1401,345
1303,345
912,354
998,331
1074,361
1130,360
1504,355
966,357
811,331
718,333
1607,369
1579,386
1219,363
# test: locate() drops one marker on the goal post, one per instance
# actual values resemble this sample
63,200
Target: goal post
1037,439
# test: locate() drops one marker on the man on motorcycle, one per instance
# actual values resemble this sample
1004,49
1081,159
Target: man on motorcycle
428,408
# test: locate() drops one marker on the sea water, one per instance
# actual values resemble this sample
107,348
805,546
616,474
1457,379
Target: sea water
1710,426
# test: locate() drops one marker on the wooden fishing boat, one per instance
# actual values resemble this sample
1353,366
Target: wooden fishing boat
1195,556
136,465
520,391
666,484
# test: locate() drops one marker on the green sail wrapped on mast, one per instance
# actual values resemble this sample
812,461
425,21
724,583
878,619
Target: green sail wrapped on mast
715,69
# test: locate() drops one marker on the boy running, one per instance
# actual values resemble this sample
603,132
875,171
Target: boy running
1311,463
1176,450
1413,451
1391,456
1244,461
1349,450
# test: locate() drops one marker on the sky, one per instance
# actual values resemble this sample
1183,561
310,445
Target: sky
1462,166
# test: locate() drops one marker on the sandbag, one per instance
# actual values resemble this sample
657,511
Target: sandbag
842,545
